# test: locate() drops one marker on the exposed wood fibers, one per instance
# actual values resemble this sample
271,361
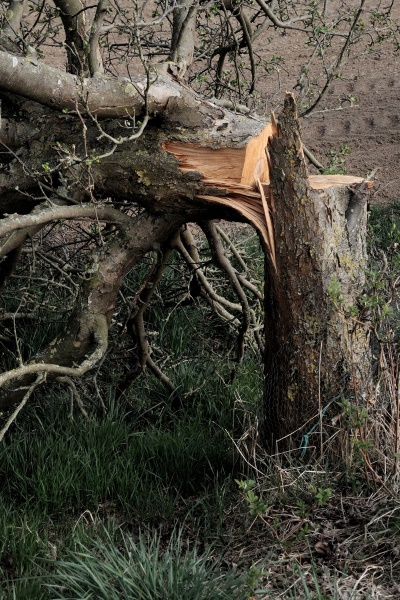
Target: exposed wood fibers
242,177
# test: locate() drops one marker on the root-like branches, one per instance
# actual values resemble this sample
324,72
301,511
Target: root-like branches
135,324
39,380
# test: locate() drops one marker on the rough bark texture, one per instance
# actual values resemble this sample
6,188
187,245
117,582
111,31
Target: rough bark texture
141,170
314,353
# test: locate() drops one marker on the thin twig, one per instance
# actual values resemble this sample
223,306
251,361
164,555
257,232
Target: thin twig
39,380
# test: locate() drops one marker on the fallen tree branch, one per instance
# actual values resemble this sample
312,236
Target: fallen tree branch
223,262
220,304
107,97
101,336
55,213
136,325
39,380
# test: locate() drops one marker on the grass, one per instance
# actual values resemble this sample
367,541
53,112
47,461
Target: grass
59,476
144,569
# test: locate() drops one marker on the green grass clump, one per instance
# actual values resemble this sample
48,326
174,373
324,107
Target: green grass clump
60,477
143,569
80,465
384,227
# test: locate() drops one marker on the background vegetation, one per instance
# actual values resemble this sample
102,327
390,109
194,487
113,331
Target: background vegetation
169,495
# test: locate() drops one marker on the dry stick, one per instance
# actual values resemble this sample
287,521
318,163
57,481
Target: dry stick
39,380
223,262
74,397
136,323
313,160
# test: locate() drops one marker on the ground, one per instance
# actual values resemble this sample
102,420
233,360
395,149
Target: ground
361,110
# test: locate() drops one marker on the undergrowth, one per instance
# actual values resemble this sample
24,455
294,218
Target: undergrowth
140,499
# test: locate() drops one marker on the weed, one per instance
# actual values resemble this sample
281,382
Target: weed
322,495
257,507
337,160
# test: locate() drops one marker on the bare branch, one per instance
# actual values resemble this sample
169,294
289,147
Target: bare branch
232,247
223,262
219,303
335,67
135,324
10,32
183,35
112,98
220,259
12,25
282,24
101,212
96,67
72,13
100,334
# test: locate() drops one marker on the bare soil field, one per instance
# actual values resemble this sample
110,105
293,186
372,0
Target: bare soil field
362,110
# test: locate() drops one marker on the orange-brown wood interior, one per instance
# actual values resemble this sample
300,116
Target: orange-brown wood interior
242,174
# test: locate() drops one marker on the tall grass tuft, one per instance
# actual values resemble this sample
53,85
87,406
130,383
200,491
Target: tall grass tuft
143,570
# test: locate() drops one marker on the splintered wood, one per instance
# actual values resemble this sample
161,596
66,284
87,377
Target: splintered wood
255,167
242,177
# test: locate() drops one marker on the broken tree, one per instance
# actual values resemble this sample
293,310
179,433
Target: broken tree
144,156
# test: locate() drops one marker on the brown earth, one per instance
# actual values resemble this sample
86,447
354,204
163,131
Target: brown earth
371,126
361,110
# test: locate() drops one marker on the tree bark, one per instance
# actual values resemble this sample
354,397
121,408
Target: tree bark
315,351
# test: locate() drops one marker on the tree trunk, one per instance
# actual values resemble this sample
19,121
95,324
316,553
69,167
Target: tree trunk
316,351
